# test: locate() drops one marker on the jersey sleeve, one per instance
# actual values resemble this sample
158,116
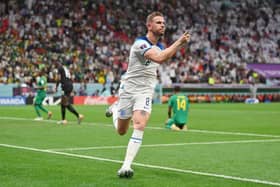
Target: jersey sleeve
171,101
141,46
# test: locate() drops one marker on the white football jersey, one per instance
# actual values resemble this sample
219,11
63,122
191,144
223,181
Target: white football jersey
141,75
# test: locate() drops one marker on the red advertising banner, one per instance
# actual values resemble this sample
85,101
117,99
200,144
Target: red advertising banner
94,100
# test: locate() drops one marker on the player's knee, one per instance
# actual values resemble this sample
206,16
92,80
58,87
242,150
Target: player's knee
64,101
139,125
122,132
123,126
122,129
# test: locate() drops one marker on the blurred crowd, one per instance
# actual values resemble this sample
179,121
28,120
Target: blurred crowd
93,37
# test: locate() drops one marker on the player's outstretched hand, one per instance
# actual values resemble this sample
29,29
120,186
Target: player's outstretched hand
185,38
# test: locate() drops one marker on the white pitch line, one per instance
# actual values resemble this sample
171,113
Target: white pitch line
223,132
166,145
235,133
157,128
148,165
238,111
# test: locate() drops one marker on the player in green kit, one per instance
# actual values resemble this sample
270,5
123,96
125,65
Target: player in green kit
178,104
41,85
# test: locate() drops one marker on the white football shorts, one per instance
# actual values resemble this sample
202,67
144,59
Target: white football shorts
129,103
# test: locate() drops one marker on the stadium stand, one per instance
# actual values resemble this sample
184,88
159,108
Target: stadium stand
94,37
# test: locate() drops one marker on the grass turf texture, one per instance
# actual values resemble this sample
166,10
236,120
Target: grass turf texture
230,140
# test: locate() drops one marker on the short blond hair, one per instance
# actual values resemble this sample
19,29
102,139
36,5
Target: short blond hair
151,16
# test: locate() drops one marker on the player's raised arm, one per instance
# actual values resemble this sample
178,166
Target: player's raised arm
161,56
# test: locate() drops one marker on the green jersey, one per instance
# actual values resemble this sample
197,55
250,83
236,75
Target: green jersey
180,107
42,83
41,90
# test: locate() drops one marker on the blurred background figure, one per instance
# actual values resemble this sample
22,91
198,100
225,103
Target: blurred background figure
178,111
41,86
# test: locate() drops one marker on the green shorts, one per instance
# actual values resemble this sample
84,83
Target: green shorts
171,121
40,98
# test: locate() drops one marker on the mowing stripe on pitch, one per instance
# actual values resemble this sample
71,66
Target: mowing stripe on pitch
238,111
147,165
157,128
166,145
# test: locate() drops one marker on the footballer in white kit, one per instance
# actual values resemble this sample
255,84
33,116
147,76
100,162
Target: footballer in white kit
137,87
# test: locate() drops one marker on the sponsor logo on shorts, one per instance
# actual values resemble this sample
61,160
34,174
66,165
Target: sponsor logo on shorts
146,108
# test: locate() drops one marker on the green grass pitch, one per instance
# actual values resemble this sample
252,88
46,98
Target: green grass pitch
232,145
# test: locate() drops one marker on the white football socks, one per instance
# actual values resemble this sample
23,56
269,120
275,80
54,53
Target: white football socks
133,147
115,114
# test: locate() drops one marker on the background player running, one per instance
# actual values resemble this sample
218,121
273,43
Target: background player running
64,78
41,93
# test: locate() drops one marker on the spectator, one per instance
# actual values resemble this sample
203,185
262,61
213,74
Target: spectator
96,37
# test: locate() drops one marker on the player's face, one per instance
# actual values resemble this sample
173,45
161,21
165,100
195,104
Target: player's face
158,26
